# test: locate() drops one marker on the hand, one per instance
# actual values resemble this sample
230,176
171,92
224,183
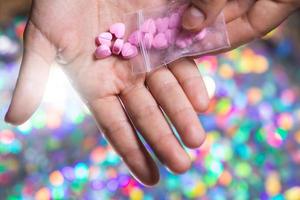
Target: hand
246,19
64,31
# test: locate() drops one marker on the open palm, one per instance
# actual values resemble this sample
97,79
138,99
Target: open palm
63,31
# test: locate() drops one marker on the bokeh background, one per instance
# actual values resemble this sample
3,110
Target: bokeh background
252,149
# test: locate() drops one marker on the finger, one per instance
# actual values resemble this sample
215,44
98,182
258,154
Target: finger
149,120
202,13
255,23
236,8
190,79
171,97
37,58
117,128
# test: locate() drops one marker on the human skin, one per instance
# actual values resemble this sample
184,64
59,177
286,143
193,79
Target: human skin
254,18
64,31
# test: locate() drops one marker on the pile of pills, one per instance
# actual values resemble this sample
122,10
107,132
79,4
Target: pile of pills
112,43
164,32
157,34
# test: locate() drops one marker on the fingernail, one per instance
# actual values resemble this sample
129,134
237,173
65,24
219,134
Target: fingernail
193,18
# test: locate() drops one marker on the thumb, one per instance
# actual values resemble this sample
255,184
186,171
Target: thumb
202,13
37,57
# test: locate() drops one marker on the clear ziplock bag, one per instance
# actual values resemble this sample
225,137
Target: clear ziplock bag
158,34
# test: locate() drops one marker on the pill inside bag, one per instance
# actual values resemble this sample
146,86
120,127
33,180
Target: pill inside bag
161,39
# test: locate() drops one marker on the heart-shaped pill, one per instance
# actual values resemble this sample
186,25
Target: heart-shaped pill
135,38
148,40
175,21
181,43
171,35
149,26
104,38
160,41
118,29
162,24
117,47
129,51
200,36
103,51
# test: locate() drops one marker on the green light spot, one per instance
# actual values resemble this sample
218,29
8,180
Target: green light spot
77,119
243,169
243,133
283,133
223,106
260,135
39,120
2,168
58,193
210,179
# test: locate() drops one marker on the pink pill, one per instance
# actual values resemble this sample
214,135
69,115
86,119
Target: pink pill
189,41
117,47
148,40
135,38
103,51
175,21
104,38
184,40
118,29
129,51
181,43
200,36
171,35
160,41
149,26
162,24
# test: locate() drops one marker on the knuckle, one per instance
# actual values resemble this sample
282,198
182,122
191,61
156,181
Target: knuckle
183,110
116,128
163,140
147,111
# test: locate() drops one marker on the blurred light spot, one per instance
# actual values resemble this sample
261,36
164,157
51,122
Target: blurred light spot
272,184
43,194
210,85
56,178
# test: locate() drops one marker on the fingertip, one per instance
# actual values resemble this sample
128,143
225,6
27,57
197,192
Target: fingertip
142,168
182,165
14,119
193,19
181,168
150,181
150,177
195,136
202,104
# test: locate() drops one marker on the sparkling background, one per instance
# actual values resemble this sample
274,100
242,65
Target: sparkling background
252,149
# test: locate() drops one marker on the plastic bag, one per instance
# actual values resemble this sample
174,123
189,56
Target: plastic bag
161,40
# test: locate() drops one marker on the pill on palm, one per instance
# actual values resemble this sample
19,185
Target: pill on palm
103,51
160,41
149,26
118,29
129,51
148,40
117,47
162,24
135,38
174,21
104,38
